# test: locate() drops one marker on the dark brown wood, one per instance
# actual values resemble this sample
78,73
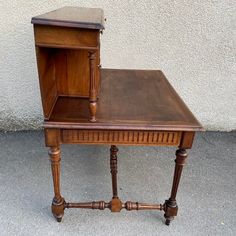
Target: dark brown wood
72,73
47,79
76,17
125,126
63,40
113,166
58,200
64,37
170,206
129,100
102,205
52,137
93,89
124,137
129,206
115,204
135,107
187,140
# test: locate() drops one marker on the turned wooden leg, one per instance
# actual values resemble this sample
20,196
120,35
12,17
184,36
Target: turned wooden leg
58,200
170,206
113,166
116,204
92,90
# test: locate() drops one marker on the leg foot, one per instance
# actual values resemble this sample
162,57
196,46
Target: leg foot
171,209
168,222
58,209
59,219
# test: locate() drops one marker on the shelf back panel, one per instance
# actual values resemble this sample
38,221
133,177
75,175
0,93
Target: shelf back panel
72,72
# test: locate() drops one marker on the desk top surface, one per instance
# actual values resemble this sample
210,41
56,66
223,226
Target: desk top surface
129,100
78,17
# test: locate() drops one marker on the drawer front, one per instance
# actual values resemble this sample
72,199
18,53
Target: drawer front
52,36
167,138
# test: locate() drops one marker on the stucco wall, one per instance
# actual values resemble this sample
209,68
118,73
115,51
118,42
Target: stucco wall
193,42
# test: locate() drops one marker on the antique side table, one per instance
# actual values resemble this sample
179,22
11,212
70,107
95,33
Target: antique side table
136,107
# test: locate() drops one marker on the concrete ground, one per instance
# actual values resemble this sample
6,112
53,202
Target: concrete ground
206,197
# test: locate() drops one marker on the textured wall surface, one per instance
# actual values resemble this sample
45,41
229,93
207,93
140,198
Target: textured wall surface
193,42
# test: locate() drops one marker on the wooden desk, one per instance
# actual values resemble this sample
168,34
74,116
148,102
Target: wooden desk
136,107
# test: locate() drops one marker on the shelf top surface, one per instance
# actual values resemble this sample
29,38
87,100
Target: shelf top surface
129,99
78,17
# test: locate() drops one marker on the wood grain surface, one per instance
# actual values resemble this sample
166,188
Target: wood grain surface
129,100
78,17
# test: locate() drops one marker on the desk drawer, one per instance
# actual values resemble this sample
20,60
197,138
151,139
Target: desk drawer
167,138
65,37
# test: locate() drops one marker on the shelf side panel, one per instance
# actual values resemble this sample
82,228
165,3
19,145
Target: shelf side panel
47,81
